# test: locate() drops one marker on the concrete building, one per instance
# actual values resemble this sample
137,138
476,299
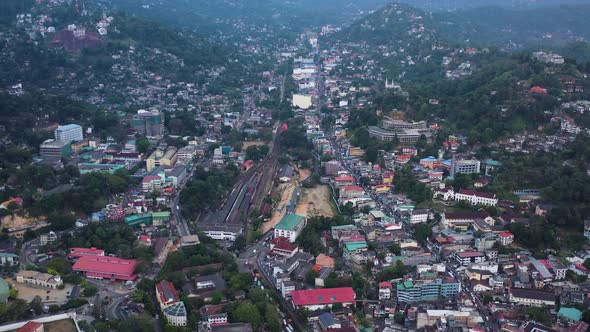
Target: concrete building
290,227
476,197
426,290
4,291
465,167
170,304
39,279
161,158
469,257
8,259
404,136
69,133
149,123
531,297
53,149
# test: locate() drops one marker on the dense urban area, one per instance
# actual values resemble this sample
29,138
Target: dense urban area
273,165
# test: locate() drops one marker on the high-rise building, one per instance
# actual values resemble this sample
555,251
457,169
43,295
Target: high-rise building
149,123
69,133
427,290
55,149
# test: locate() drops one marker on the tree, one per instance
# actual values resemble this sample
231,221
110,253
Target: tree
59,265
422,232
89,290
36,305
143,145
248,313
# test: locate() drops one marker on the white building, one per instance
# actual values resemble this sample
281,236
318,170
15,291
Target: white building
217,319
531,297
476,197
302,101
170,304
39,279
419,216
290,227
69,133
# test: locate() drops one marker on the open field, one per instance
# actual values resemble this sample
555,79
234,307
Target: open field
316,202
246,144
64,325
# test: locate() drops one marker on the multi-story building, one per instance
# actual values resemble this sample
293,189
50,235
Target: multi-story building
39,279
385,290
389,123
161,158
149,123
53,149
465,167
427,290
469,257
290,227
505,238
69,133
170,304
217,319
408,136
419,216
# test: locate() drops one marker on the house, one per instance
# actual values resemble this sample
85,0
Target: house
587,228
538,90
8,259
385,288
205,286
531,297
328,321
39,279
505,238
290,227
315,299
170,304
344,180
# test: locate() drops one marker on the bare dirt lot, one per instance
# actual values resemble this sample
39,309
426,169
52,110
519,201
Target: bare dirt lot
246,144
315,202
286,190
64,325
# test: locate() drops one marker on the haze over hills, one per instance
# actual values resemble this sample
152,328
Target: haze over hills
450,5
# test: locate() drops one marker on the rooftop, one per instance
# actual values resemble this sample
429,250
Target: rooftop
323,296
112,266
289,222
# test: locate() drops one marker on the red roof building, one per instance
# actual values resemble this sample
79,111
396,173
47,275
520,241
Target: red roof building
282,247
538,90
105,267
166,293
79,252
314,299
31,327
344,178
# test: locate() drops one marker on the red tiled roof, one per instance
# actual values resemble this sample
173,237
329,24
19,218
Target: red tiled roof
347,178
283,244
323,296
353,188
167,293
107,267
385,284
29,327
505,234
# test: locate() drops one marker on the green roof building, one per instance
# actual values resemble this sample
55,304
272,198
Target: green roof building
138,219
159,218
290,227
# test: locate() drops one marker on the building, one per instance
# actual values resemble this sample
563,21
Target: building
232,327
79,252
315,299
106,267
290,227
149,123
531,297
302,101
281,246
419,216
403,136
476,197
39,279
32,326
221,232
458,319
469,257
161,158
287,287
427,290
569,315
505,238
8,259
217,319
189,240
385,288
587,228
465,167
48,238
69,133
170,304
52,149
